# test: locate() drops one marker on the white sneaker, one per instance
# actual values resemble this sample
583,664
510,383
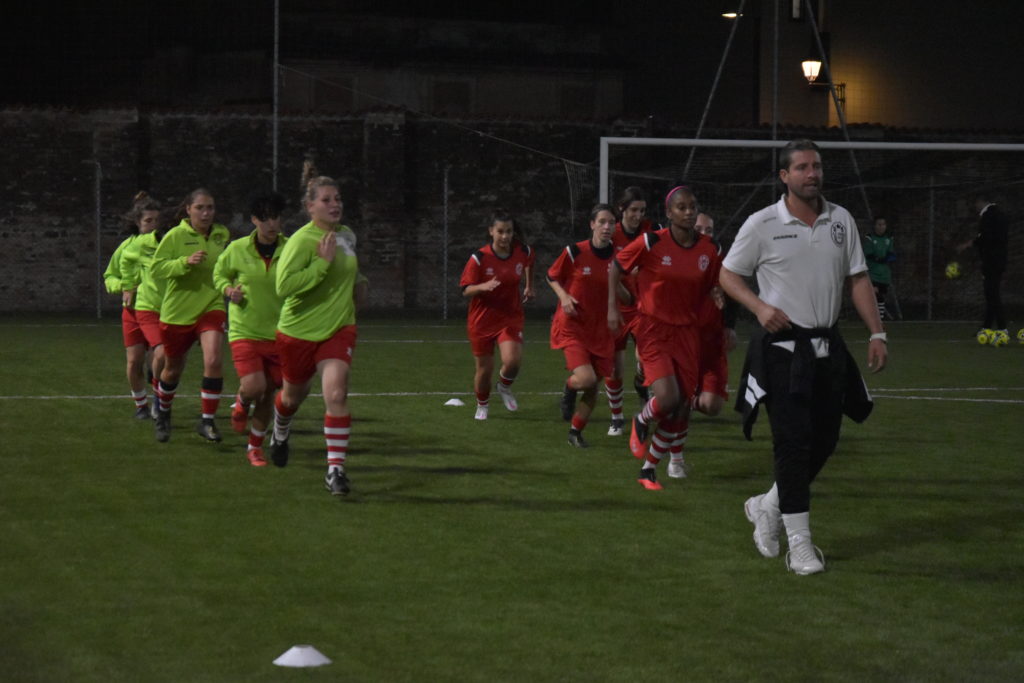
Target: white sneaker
677,469
481,413
804,557
507,398
767,526
615,429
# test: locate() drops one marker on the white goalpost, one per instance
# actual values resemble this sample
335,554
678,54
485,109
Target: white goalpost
923,189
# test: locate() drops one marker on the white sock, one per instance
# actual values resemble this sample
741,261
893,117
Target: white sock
771,499
798,524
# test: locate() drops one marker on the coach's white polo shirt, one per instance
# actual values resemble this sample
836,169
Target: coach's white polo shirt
800,269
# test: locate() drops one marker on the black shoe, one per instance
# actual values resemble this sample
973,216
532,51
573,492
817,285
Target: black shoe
576,440
162,425
279,451
568,403
336,482
207,429
154,408
142,412
649,479
641,391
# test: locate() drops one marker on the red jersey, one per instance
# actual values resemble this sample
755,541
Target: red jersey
582,270
490,312
673,281
620,240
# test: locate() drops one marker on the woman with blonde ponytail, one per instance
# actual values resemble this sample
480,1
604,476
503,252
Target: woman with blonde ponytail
318,278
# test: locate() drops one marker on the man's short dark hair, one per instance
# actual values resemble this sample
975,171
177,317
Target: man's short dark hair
801,145
267,205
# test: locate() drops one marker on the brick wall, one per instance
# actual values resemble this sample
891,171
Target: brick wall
391,168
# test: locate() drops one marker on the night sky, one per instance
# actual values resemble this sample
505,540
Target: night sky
52,51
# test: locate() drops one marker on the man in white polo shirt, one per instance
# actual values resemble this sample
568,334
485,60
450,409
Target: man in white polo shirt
802,249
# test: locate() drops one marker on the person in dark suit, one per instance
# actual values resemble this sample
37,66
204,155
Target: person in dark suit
991,240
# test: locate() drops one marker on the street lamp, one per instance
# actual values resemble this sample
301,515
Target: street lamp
812,69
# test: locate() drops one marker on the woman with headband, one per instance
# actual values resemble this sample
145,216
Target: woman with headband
677,269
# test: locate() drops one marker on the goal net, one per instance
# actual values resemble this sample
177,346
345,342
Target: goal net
924,190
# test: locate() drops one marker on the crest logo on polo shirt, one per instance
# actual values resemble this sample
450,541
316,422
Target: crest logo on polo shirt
838,232
489,271
519,269
586,270
666,260
703,262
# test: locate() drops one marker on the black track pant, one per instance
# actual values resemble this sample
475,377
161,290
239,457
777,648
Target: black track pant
805,429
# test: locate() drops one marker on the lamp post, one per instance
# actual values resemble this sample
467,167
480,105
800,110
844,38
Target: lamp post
812,69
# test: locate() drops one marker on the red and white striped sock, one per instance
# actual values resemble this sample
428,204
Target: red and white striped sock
282,419
578,423
661,442
483,398
613,390
336,433
505,380
210,394
139,397
165,393
651,411
679,440
256,439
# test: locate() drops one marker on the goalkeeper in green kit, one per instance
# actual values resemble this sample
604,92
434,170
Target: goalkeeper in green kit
879,254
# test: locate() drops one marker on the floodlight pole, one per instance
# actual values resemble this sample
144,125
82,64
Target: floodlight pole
714,86
98,199
274,118
444,246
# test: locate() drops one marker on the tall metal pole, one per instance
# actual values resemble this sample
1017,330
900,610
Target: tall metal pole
98,200
775,85
931,244
444,246
277,43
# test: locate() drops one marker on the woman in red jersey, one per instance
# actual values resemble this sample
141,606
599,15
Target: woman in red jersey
579,278
632,207
491,281
677,269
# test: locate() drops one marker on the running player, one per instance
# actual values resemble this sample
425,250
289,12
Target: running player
149,294
717,338
121,277
491,281
579,277
318,278
192,308
678,268
633,209
246,273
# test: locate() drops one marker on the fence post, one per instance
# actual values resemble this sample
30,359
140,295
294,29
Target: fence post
98,200
931,245
444,247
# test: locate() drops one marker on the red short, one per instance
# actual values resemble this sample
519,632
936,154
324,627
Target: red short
149,322
626,331
577,355
299,357
256,355
714,361
130,329
483,345
668,351
178,339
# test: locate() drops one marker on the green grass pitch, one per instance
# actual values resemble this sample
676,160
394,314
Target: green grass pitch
493,551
